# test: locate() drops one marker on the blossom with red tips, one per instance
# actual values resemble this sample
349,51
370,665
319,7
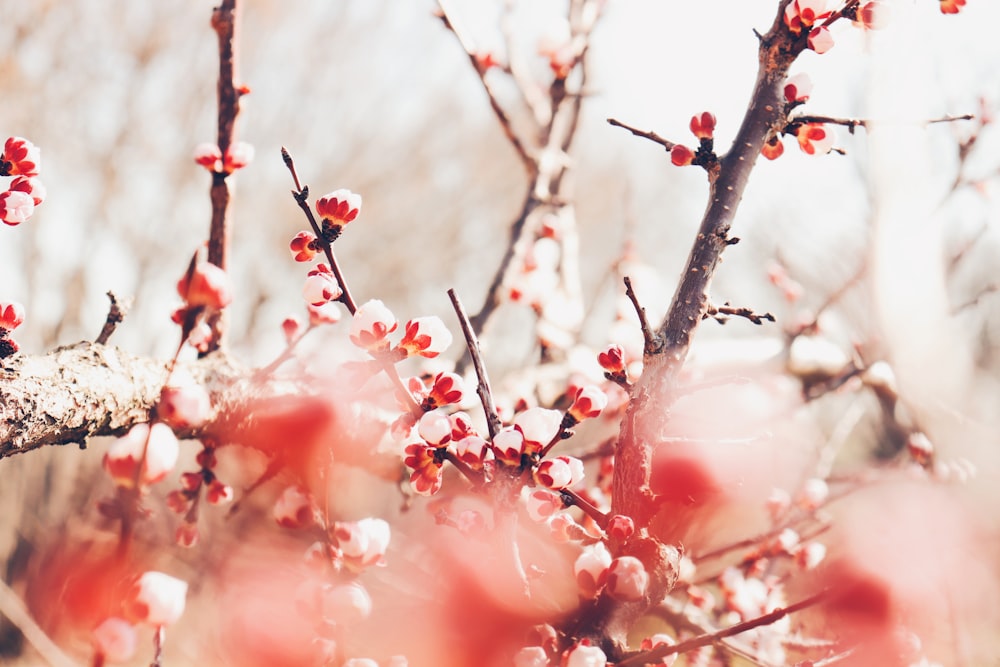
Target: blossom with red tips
426,337
435,428
873,15
237,156
801,14
20,157
208,156
508,446
11,316
539,426
820,39
30,185
559,473
157,599
183,402
612,359
703,125
446,389
591,569
681,155
294,508
798,87
339,207
16,207
951,6
154,447
654,641
588,403
371,324
814,138
363,543
205,285
324,313
474,451
772,148
426,476
584,655
304,246
115,640
627,579
320,286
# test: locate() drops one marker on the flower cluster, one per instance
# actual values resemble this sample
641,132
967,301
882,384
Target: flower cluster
703,128
21,159
423,336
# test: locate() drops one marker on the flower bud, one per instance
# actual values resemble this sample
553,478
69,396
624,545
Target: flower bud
158,599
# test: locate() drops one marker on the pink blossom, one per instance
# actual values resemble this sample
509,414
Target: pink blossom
874,15
473,451
559,473
123,457
371,324
16,207
186,535
426,476
238,156
158,599
461,425
435,428
115,639
325,313
589,403
584,655
810,555
425,336
508,446
703,125
363,543
539,426
31,185
294,508
612,359
183,402
591,568
208,156
814,138
11,316
205,285
801,14
339,207
620,527
24,157
447,388
346,604
531,656
820,39
320,286
813,494
681,155
218,493
541,504
303,246
798,87
627,578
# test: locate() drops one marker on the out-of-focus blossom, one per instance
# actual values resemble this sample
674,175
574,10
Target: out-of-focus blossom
346,604
16,207
294,508
31,185
205,285
237,156
591,569
584,655
115,639
363,543
627,578
125,454
158,599
951,6
183,402
371,324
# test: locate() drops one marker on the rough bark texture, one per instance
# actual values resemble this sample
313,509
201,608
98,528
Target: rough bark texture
85,390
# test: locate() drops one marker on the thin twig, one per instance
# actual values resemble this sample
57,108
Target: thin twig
656,654
652,136
116,313
722,313
285,355
530,165
572,498
13,609
651,341
852,123
301,195
484,390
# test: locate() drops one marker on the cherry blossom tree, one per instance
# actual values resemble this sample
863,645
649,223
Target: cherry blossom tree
624,502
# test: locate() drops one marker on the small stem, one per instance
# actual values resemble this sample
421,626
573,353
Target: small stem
285,355
656,654
572,498
493,423
116,313
652,136
652,342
